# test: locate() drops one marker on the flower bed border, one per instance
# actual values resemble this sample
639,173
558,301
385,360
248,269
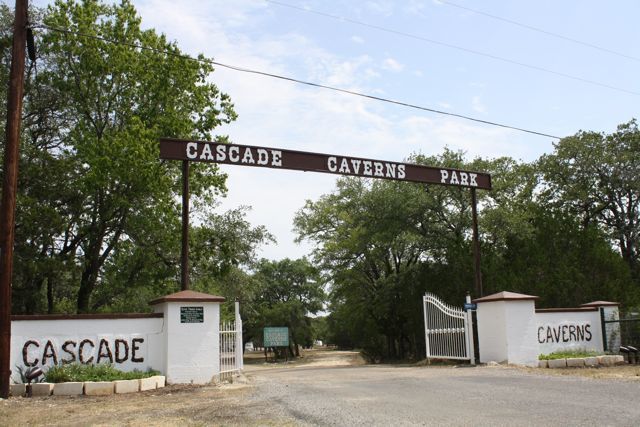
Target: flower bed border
93,388
582,362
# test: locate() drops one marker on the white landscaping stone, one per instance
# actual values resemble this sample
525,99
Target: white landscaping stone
161,381
618,360
41,389
591,361
98,388
148,384
126,386
575,362
18,390
558,363
68,389
607,360
543,363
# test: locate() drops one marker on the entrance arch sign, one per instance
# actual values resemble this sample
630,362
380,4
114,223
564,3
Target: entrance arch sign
276,158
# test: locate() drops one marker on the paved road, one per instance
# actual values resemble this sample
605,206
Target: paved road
394,396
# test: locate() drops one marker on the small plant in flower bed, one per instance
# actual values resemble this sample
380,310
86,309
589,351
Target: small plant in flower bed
76,372
567,354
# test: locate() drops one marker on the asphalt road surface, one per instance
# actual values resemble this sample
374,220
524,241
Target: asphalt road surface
395,396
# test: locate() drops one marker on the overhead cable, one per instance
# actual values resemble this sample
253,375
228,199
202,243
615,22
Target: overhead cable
456,47
294,80
540,30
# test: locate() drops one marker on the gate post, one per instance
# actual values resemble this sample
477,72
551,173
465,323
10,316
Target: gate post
507,328
239,341
469,332
192,338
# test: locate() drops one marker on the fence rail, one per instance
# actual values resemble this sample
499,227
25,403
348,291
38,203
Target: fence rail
231,347
448,332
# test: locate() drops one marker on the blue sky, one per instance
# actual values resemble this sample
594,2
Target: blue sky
270,37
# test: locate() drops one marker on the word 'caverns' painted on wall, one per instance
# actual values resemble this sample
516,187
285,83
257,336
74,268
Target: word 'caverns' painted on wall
564,333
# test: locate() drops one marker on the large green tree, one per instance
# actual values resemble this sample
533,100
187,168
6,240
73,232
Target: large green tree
287,293
594,176
92,189
383,244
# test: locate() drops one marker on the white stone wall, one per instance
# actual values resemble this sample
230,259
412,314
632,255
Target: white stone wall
193,349
492,331
521,340
127,343
568,330
182,340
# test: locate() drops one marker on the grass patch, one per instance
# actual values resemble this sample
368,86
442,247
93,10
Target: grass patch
568,354
76,372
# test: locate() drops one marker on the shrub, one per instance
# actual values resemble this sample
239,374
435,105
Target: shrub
76,372
567,354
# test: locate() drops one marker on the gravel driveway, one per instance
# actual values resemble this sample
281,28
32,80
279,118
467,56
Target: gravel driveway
385,395
336,388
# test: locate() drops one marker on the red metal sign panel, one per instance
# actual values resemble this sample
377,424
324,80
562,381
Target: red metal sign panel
245,155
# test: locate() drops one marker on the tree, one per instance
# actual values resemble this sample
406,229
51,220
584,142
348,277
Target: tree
382,244
288,292
594,176
90,171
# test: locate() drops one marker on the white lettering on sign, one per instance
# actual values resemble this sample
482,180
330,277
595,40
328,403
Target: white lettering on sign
206,153
276,156
192,150
233,154
373,168
263,156
458,178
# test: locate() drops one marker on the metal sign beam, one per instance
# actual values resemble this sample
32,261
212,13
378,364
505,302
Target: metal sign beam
246,155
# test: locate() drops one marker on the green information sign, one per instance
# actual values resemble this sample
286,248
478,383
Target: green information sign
191,315
276,337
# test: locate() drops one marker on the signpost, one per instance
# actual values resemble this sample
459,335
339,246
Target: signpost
275,337
191,314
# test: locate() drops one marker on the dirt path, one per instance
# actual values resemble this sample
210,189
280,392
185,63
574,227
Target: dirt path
228,404
225,404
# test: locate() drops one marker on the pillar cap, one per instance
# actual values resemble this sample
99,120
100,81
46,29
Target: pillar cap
505,296
600,304
188,296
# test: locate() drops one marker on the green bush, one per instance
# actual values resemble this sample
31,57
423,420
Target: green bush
567,354
76,372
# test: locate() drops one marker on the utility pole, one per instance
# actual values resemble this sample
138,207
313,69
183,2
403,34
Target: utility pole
9,186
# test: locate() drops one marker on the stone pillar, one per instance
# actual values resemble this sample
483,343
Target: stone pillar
192,336
507,329
610,311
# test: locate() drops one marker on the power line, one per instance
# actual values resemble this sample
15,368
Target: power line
540,30
453,46
294,80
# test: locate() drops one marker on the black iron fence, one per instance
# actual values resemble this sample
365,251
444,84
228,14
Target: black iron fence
622,332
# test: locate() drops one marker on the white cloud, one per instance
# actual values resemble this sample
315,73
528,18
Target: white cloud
477,105
282,114
391,64
357,39
382,7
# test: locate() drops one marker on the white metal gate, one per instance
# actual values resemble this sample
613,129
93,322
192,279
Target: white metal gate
448,330
231,346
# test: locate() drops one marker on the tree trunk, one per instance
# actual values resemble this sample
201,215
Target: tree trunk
50,294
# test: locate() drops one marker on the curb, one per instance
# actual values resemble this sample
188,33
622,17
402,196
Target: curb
90,388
